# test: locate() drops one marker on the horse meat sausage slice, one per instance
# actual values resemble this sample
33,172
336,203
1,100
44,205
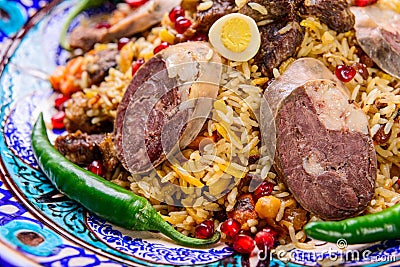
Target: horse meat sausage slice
166,105
324,152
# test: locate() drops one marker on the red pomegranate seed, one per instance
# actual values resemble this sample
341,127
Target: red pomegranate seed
160,47
96,167
345,73
57,121
364,2
231,227
205,229
135,3
243,244
264,240
59,101
175,13
103,24
362,69
182,24
136,65
264,189
122,42
271,231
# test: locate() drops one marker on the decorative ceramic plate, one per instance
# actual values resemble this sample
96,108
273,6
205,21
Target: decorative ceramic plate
40,226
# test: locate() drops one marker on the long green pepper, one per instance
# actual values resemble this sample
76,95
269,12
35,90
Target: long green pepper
105,199
374,227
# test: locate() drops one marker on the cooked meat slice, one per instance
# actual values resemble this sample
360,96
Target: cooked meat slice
274,10
204,19
324,150
244,210
108,153
141,19
103,60
76,117
379,36
152,121
334,13
80,148
279,41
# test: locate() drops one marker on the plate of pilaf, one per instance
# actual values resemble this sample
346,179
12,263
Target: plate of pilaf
200,133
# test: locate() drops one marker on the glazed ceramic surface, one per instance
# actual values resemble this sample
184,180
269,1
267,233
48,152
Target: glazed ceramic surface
38,225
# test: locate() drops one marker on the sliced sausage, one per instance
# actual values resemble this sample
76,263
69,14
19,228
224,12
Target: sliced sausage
379,36
166,104
324,152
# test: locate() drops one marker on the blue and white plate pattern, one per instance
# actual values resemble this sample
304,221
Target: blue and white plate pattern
38,225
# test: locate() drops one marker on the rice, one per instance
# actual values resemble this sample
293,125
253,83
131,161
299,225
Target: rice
210,179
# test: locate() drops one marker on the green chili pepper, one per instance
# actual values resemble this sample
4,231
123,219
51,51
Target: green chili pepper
106,199
80,6
373,227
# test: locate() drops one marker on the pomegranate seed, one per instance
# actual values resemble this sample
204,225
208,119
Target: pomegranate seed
243,244
57,121
59,101
103,24
362,69
175,13
160,47
231,227
345,73
136,65
271,231
264,189
205,229
96,167
264,240
122,42
135,3
199,37
364,2
182,24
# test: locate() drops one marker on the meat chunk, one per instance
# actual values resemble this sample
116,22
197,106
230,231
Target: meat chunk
274,10
334,13
379,37
279,41
154,118
244,210
324,151
83,149
139,20
108,153
80,148
103,60
204,19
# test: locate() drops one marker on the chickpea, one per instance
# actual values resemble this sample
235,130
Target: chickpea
268,206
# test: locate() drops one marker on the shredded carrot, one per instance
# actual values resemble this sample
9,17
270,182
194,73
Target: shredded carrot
64,78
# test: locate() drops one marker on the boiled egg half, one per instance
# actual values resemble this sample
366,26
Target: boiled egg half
235,36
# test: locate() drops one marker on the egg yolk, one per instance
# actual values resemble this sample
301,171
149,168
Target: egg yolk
235,35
